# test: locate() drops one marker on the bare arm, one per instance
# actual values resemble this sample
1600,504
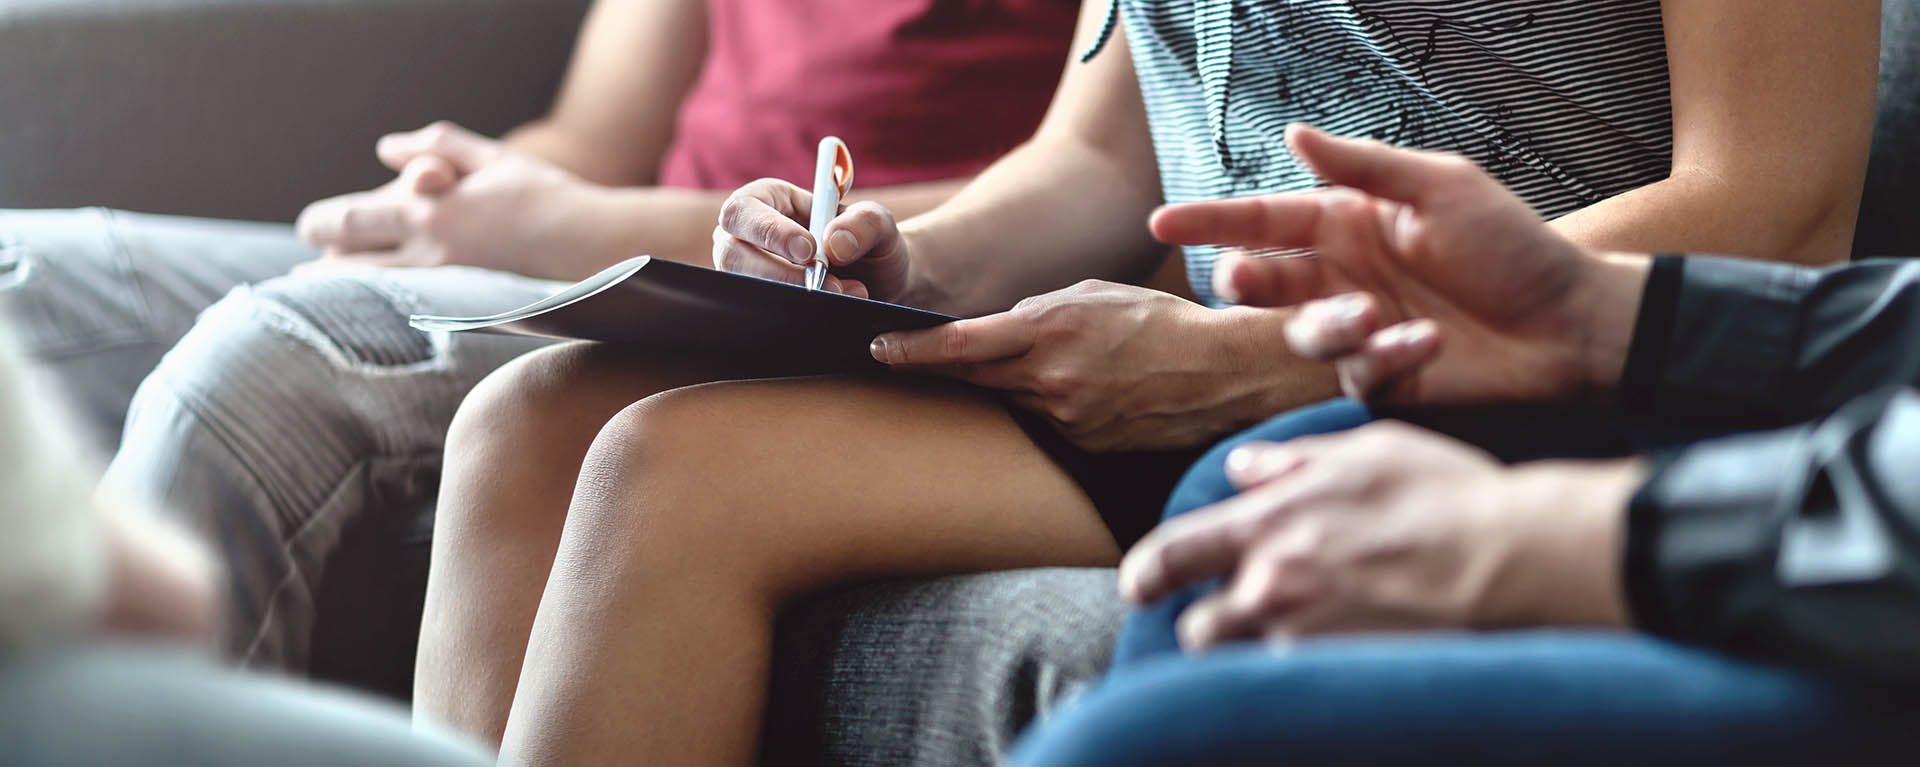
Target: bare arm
1068,205
1772,116
634,63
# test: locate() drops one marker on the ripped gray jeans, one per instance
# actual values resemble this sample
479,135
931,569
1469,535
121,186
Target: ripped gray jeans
271,410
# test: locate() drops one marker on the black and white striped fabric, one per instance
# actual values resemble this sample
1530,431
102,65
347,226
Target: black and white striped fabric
1565,101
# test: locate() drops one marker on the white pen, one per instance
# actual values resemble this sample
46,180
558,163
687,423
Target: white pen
832,177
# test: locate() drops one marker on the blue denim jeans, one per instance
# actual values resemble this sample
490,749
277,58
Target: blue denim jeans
270,410
1513,698
1517,698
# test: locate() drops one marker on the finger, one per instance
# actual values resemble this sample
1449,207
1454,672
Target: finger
1258,597
1193,547
1194,629
982,339
1267,280
1285,220
1405,175
465,150
1388,358
1258,463
1332,328
357,222
865,227
732,254
855,288
763,214
429,176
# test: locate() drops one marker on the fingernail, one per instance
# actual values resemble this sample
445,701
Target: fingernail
1345,311
800,248
1223,281
1407,334
881,349
842,247
1259,461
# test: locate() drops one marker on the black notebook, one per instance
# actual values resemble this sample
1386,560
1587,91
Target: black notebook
646,302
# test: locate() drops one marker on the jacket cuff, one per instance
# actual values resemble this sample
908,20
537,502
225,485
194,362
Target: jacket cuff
1702,533
1727,351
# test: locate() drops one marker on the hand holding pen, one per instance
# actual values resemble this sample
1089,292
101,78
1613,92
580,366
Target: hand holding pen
832,177
857,251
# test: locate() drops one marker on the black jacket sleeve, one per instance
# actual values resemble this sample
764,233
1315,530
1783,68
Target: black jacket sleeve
1800,544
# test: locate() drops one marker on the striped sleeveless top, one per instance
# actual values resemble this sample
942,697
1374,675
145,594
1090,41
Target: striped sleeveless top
1564,101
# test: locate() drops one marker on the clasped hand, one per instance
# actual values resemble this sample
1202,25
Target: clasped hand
460,199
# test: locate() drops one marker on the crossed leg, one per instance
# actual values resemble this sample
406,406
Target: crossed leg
692,517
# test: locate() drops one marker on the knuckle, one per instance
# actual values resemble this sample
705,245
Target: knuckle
734,210
438,133
1057,382
954,344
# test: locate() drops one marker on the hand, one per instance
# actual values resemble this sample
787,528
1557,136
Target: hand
461,199
1114,367
1389,528
763,233
1429,283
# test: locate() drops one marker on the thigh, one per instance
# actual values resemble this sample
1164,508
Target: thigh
810,481
99,296
1523,698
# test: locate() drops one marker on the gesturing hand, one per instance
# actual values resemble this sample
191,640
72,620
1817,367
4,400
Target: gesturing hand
1429,283
761,234
1114,367
460,199
1388,528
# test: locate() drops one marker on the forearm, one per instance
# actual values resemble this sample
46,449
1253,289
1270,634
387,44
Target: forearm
1051,213
1246,342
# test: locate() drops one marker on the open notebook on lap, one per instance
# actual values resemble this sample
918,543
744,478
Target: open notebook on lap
653,303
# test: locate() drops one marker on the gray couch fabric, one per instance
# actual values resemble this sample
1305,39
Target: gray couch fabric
251,109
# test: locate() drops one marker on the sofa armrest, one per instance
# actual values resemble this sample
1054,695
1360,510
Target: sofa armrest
249,109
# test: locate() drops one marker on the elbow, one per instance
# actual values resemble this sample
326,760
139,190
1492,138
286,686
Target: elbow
1792,216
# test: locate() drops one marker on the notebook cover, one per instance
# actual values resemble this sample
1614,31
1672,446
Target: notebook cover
647,302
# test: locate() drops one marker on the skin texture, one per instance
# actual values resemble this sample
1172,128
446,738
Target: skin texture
1430,285
1327,538
656,604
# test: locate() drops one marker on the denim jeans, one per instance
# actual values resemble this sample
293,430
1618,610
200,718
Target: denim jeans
271,410
1509,698
1520,698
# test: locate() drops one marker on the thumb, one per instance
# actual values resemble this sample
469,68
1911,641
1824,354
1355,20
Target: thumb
429,176
463,149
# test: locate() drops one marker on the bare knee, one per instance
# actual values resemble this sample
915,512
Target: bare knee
677,470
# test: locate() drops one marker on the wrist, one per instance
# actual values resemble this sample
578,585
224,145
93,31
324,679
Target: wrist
1563,568
1603,308
1250,343
923,287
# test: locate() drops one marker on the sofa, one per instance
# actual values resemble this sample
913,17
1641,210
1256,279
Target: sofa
248,109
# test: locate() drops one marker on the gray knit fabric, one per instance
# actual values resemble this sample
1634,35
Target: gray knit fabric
939,672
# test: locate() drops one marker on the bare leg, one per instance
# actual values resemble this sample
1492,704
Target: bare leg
699,511
513,454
